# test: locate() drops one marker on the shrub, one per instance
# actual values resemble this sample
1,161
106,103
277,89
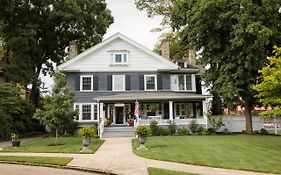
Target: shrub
15,137
172,128
263,131
205,131
70,128
5,126
217,124
199,130
257,131
183,131
163,131
143,131
225,131
193,126
87,132
154,128
212,130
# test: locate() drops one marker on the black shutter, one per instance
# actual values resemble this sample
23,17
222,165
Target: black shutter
141,78
159,82
77,82
128,82
95,82
109,82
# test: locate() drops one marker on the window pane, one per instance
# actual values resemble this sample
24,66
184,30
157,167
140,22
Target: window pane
86,112
150,83
118,82
188,82
95,112
77,116
118,58
181,82
86,83
125,58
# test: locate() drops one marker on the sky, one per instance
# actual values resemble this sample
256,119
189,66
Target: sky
129,21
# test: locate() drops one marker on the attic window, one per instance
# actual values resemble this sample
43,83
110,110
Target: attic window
119,58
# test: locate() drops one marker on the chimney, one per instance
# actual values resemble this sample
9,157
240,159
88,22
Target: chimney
191,59
73,49
165,49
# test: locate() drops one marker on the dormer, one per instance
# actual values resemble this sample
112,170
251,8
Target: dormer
119,57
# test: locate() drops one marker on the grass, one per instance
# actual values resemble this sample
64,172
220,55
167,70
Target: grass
157,171
243,152
69,145
37,160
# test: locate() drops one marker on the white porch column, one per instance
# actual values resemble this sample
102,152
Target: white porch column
100,119
171,112
205,112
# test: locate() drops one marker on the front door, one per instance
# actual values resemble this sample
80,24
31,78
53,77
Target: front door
119,115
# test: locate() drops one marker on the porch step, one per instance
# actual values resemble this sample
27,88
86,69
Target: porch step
118,132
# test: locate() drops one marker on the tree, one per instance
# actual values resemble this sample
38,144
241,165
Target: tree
58,106
269,89
234,38
36,34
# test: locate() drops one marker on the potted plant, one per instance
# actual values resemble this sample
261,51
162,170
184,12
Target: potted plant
87,133
143,132
130,122
107,122
15,140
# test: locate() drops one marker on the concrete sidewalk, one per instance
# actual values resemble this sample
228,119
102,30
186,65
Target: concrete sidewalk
116,156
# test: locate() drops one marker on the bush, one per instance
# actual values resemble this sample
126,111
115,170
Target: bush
5,126
163,131
154,128
263,131
70,128
217,124
205,131
212,130
193,126
200,130
87,132
172,128
225,131
143,131
183,131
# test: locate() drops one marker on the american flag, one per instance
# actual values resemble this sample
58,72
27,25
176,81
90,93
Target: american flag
136,112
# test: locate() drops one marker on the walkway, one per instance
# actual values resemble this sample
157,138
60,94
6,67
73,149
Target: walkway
116,156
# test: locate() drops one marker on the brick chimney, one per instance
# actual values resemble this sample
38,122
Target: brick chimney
73,49
191,58
165,49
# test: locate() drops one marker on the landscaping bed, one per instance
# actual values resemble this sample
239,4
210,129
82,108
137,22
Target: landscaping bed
243,152
65,145
37,160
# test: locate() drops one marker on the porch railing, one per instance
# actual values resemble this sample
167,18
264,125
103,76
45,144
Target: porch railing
201,121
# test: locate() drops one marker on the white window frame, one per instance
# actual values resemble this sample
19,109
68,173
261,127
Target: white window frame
113,57
175,83
145,85
113,83
81,82
92,111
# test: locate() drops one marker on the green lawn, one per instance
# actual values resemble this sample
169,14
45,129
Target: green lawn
244,152
157,171
69,145
36,160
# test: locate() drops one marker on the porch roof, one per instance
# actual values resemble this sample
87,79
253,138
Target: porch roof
153,96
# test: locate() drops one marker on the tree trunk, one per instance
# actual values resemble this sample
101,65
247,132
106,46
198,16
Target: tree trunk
35,91
57,133
248,116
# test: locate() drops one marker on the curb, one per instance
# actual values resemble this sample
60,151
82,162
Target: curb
62,167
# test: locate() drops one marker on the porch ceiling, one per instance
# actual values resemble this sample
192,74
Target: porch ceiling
153,96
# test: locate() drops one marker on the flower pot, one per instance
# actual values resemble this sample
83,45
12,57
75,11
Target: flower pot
142,139
15,143
86,141
131,123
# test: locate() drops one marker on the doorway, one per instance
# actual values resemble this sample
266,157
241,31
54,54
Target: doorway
119,115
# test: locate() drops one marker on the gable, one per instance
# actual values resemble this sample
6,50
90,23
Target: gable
99,58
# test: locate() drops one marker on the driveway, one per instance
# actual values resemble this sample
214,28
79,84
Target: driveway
13,169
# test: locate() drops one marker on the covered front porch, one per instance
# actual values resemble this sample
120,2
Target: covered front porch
181,108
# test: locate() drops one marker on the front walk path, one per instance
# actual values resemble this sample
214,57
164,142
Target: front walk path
116,156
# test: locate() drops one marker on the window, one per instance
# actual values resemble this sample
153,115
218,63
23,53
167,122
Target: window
86,112
185,82
86,83
150,83
95,112
120,58
118,82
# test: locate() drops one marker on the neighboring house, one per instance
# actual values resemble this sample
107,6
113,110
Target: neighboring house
110,77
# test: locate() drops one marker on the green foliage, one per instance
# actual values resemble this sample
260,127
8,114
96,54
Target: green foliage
172,128
36,33
200,130
183,131
163,131
269,89
87,132
216,124
69,128
154,128
15,137
58,107
263,131
5,126
143,131
193,126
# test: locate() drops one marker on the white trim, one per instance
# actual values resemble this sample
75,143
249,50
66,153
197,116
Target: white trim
81,82
110,39
155,78
193,81
113,81
175,85
81,112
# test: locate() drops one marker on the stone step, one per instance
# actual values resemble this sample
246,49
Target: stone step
118,132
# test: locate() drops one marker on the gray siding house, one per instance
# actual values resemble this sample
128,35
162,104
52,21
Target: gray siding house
118,75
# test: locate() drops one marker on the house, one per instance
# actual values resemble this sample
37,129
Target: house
113,77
